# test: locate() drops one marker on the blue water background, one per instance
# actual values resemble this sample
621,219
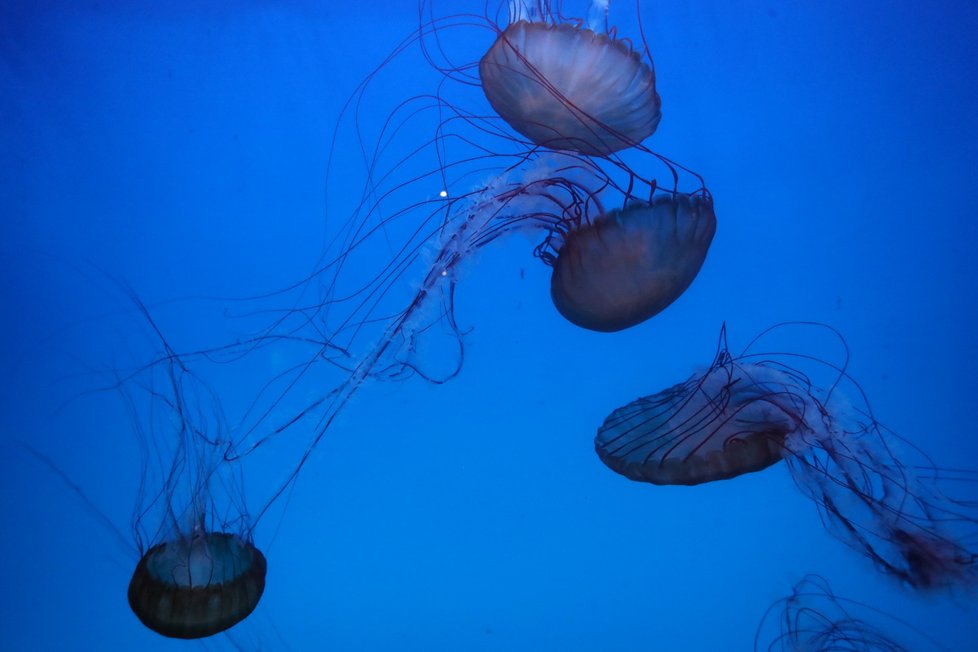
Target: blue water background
182,147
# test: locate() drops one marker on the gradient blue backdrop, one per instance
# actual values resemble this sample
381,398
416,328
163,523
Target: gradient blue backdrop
182,147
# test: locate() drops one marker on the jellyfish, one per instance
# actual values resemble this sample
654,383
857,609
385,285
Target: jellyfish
629,265
197,585
199,572
567,86
744,413
814,619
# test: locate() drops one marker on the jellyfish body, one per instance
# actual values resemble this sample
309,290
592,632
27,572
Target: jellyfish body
197,586
198,571
630,264
712,427
748,412
571,88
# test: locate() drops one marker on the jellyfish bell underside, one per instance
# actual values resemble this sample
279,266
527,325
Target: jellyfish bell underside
197,586
715,426
631,264
570,88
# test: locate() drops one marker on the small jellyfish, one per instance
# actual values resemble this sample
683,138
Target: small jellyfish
567,86
201,573
197,586
745,413
630,264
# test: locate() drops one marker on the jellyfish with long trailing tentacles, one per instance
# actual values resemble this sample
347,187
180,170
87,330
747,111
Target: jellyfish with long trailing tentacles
439,183
553,195
569,85
814,619
747,412
199,572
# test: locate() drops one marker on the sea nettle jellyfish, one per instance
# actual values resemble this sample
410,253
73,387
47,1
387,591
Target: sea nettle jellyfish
197,584
745,413
401,322
199,572
630,264
568,86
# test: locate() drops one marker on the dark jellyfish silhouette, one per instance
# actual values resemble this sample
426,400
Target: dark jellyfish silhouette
201,573
197,586
566,86
814,619
728,420
747,412
630,264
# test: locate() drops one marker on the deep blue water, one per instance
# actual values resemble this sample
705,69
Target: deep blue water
182,149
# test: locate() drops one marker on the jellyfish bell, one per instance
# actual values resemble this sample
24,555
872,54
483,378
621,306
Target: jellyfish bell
632,263
675,437
569,87
197,586
736,416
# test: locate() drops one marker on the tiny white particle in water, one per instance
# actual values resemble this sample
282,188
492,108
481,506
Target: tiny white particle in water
444,193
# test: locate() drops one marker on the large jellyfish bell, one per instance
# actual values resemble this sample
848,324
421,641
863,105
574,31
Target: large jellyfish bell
567,86
630,264
727,421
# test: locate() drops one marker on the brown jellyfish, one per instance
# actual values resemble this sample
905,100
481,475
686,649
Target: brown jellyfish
199,572
630,264
197,586
567,87
730,420
747,412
